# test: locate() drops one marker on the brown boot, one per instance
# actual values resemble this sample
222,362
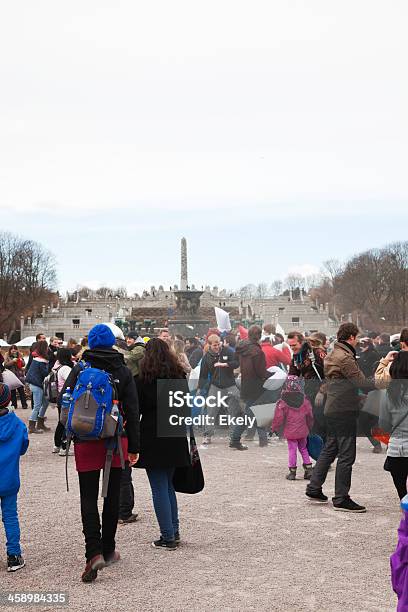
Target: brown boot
32,429
41,425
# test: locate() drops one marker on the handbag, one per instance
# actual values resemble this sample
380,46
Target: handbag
314,445
190,478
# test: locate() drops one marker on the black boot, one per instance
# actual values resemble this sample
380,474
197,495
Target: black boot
238,446
308,471
292,474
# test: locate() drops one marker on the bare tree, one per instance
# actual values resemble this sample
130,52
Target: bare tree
312,281
120,292
294,281
276,288
332,269
373,284
27,278
247,292
262,290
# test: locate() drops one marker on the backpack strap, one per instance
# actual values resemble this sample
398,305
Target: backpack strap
68,444
106,471
119,442
112,444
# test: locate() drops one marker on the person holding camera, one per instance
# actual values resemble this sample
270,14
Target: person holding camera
307,363
382,373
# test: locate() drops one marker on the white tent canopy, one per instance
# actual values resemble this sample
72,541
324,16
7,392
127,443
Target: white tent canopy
3,343
28,341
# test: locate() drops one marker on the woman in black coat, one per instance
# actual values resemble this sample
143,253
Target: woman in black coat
163,436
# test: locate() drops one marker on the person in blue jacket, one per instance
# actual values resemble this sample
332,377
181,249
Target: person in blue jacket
13,444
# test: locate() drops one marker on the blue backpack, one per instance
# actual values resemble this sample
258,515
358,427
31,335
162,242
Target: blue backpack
92,413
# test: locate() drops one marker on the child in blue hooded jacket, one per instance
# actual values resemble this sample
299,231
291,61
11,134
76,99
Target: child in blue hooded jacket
13,444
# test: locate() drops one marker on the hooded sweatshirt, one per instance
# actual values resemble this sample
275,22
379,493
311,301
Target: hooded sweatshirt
13,443
253,369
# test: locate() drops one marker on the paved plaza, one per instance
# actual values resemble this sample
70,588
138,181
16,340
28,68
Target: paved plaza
251,541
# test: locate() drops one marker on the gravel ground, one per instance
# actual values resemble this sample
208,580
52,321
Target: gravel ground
251,541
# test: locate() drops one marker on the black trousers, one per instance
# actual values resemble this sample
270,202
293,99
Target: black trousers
366,422
398,466
319,425
59,435
96,541
340,443
21,393
127,494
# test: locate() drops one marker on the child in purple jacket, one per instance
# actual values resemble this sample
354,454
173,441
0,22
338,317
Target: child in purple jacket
294,413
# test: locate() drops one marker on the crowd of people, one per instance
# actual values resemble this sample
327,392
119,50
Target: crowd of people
330,388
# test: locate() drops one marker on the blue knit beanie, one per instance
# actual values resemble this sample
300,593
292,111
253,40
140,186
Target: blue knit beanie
5,395
101,336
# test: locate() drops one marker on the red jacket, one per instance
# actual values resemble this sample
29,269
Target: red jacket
274,356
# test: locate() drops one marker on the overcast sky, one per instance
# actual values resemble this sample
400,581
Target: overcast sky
273,135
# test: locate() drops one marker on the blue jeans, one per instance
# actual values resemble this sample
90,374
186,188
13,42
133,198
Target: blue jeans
239,429
40,404
164,500
11,526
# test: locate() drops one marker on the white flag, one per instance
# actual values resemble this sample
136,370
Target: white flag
280,330
223,319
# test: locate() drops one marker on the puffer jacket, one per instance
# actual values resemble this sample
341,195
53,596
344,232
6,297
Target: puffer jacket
391,416
37,372
297,421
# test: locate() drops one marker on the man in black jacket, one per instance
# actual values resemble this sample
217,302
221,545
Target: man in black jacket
55,344
217,376
90,455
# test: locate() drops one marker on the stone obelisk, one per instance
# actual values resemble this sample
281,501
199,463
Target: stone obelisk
184,276
186,320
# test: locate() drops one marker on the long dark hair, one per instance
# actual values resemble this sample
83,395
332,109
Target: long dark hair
12,348
398,386
64,357
41,348
159,362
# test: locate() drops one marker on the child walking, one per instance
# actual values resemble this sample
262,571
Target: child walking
294,413
13,443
